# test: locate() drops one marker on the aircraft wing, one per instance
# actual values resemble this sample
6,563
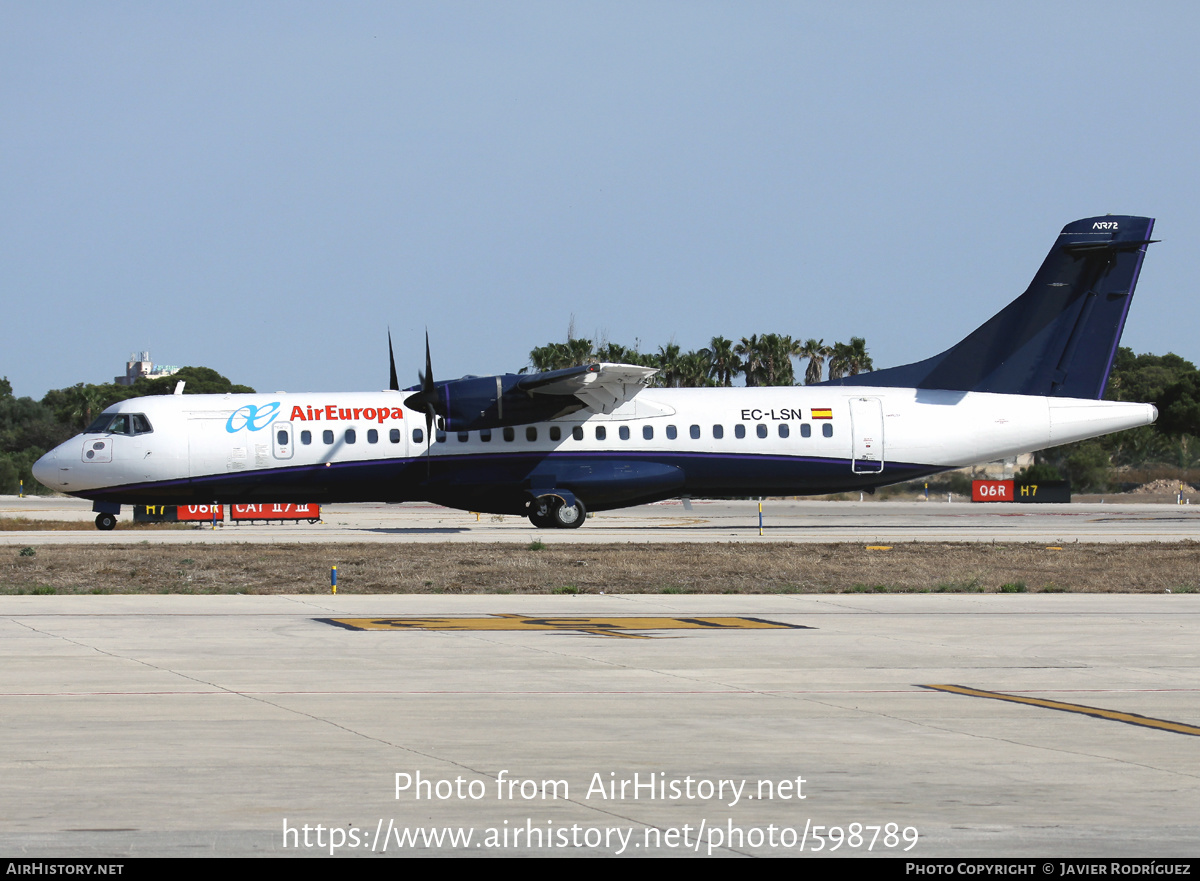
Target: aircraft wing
600,387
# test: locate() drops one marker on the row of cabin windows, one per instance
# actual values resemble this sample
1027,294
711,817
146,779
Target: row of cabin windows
351,436
531,432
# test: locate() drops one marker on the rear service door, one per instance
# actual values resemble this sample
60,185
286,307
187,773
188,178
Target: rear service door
866,425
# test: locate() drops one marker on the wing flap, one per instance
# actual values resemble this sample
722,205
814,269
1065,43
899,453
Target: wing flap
600,387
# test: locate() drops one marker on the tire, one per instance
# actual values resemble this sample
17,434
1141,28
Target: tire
568,516
106,521
540,513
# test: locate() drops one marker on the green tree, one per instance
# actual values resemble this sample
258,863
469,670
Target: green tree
724,364
850,359
777,351
749,350
816,352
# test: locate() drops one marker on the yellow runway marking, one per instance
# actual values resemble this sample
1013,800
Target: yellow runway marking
595,626
1114,715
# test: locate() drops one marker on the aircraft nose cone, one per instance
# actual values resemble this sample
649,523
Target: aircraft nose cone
45,468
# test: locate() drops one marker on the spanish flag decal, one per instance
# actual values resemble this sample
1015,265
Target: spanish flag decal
822,413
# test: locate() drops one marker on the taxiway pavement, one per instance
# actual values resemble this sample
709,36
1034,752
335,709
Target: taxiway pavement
696,521
222,726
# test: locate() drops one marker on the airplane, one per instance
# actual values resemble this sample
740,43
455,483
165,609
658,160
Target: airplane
553,446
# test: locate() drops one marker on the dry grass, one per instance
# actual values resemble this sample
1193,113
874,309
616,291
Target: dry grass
25,524
619,568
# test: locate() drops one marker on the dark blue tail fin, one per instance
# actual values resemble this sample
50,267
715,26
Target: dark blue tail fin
1059,338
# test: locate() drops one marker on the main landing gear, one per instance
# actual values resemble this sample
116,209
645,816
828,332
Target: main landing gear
106,521
550,512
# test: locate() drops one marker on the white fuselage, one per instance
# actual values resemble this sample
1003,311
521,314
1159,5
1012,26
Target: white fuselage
664,442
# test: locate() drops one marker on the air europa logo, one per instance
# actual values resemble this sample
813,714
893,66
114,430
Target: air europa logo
334,413
252,416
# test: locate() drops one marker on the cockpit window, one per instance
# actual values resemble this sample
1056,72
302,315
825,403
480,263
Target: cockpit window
121,423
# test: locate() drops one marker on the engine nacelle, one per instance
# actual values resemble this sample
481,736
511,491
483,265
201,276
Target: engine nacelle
476,402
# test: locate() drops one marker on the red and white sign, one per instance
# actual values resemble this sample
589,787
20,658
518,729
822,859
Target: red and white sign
207,513
992,491
275,511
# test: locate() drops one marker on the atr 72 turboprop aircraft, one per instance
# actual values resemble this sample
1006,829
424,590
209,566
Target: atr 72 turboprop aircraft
555,445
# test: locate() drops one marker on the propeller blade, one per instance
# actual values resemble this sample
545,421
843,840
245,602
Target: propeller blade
395,381
426,399
427,379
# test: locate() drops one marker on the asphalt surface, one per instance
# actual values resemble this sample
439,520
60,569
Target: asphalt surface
223,726
997,725
696,521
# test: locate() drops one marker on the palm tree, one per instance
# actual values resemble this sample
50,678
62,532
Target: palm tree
816,352
750,351
777,351
667,362
556,356
850,359
579,352
85,400
860,361
724,365
614,353
695,370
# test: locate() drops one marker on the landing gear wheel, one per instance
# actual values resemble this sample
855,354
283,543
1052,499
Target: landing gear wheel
539,514
106,521
569,516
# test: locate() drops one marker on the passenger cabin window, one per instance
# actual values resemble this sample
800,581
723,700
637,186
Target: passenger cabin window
601,432
624,432
281,437
464,436
351,435
761,430
394,435
372,436
306,437
439,436
577,432
805,430
827,430
555,433
509,434
739,431
784,431
485,435
327,436
694,431
718,431
418,436
648,432
531,433
671,432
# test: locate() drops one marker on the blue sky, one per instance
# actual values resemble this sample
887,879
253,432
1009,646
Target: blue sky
264,188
